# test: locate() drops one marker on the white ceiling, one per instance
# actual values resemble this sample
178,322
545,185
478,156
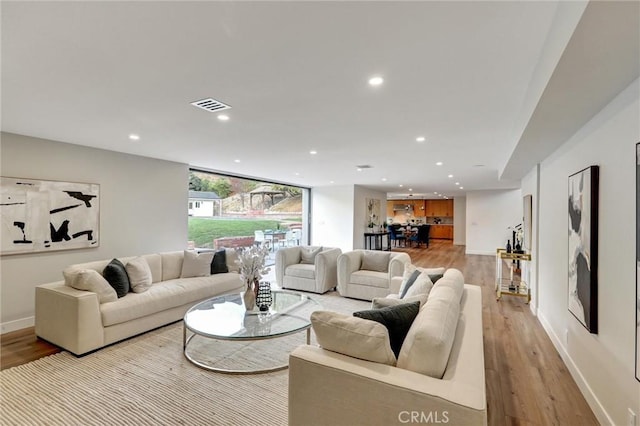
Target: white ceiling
458,73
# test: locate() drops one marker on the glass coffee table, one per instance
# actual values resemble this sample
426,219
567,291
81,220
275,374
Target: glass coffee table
219,334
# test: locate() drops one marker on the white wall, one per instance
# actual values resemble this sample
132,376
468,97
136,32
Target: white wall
529,186
603,363
332,216
143,209
489,214
360,196
459,221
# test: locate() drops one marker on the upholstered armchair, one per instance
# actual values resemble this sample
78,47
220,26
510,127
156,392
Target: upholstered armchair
365,274
307,268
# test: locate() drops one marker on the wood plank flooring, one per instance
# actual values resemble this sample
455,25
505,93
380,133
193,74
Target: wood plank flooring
527,382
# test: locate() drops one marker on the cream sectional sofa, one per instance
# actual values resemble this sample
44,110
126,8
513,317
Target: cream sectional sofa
76,321
435,385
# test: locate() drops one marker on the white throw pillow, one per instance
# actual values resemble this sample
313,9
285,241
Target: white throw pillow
90,280
409,269
422,285
352,336
139,274
308,255
196,264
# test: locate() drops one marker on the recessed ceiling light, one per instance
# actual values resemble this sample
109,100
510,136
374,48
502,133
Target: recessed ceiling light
297,174
331,181
236,161
439,163
223,117
313,152
410,189
450,176
384,179
359,169
420,139
435,193
134,137
461,188
376,81
401,185
457,183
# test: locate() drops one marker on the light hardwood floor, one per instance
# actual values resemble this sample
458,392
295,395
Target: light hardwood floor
527,382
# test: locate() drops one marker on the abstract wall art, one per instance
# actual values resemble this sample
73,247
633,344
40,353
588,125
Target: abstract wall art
583,247
42,215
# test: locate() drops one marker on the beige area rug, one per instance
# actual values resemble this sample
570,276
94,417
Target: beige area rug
146,380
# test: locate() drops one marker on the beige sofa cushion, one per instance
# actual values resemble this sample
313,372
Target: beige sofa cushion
155,266
355,337
167,295
370,278
90,280
171,265
374,261
452,279
428,344
232,258
301,270
139,274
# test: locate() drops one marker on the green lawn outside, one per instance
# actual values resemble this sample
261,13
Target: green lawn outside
204,231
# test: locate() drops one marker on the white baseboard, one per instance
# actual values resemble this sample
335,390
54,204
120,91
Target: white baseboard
482,252
593,401
9,326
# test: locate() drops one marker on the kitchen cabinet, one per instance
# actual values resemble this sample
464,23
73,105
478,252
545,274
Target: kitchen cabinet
439,208
444,232
390,212
418,207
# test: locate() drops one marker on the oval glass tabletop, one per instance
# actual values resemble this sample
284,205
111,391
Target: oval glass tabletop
226,318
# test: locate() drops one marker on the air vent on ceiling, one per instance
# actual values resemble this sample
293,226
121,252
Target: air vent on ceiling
210,105
364,166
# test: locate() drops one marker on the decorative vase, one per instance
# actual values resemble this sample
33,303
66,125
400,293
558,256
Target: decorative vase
249,298
250,294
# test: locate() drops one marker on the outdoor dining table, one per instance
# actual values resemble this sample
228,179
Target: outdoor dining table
274,237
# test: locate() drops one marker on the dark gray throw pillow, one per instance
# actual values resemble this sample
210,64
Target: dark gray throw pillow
412,279
435,277
397,319
219,262
116,275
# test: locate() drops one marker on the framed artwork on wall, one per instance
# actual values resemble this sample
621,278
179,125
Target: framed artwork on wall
44,215
373,212
637,262
583,247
